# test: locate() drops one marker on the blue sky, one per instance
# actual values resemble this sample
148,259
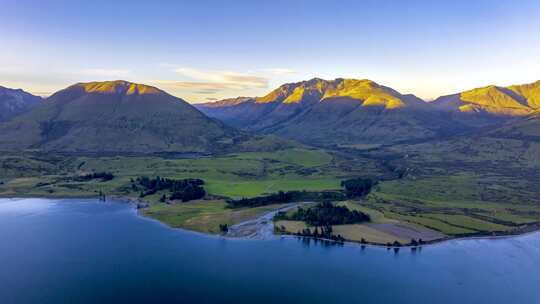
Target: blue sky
204,50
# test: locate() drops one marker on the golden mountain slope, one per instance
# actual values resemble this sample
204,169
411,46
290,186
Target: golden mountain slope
531,92
332,111
366,92
516,100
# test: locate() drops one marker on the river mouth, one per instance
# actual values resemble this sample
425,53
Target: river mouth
260,228
84,251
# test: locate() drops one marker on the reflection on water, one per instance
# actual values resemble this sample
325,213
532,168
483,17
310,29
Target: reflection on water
84,251
25,207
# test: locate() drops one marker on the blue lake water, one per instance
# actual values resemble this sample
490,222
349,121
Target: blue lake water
81,251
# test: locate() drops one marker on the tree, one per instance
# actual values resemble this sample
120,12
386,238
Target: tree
224,228
101,196
326,214
163,198
357,187
184,189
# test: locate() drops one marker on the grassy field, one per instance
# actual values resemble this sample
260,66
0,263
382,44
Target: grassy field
203,216
453,205
458,188
371,235
236,175
379,230
375,215
349,232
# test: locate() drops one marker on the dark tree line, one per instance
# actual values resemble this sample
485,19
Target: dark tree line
323,232
277,198
224,228
413,243
180,189
325,214
282,197
104,176
358,187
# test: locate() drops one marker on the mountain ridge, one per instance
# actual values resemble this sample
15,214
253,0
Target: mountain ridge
315,111
342,108
115,116
362,111
16,101
514,100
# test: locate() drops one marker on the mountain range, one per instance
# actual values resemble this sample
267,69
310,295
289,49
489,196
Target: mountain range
350,111
124,117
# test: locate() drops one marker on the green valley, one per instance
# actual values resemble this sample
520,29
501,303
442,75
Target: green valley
434,172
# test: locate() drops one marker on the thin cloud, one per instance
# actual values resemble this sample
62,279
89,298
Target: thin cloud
246,80
231,79
206,82
199,87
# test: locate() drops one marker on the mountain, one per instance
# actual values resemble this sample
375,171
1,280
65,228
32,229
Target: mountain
512,101
16,101
340,111
527,129
115,116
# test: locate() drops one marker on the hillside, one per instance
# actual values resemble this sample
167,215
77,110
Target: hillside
114,116
15,101
527,129
343,111
512,101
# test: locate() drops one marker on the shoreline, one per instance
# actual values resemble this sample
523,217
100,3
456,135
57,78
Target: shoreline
426,244
140,204
527,229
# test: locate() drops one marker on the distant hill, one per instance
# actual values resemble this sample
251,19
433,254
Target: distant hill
527,129
516,100
340,111
16,101
115,116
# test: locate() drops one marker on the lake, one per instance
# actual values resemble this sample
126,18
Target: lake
85,251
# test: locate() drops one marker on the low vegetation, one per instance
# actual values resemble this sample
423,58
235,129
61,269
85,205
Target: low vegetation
103,176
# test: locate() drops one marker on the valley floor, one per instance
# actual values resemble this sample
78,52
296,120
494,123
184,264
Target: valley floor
433,196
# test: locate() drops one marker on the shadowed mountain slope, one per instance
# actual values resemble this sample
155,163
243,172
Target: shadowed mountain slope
16,101
527,129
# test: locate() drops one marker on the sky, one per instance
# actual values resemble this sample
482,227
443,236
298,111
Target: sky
207,50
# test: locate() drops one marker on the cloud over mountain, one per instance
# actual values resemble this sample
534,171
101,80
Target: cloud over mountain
209,82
